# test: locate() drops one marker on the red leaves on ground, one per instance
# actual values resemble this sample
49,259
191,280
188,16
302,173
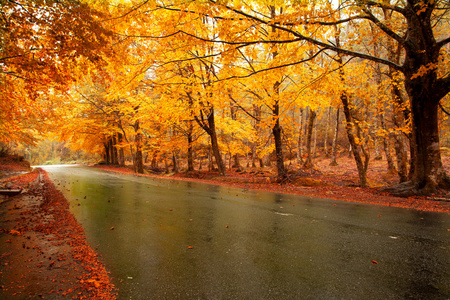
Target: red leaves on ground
22,181
55,233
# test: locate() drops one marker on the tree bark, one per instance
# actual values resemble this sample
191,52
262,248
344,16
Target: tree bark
309,132
353,144
175,162
107,152
327,129
215,144
190,155
138,163
333,161
115,152
425,91
111,151
300,137
276,130
121,152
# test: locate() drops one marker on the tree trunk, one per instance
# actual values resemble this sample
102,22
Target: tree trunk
154,163
402,161
190,155
215,144
166,164
236,163
121,152
428,173
210,159
115,152
200,163
276,129
315,143
309,132
362,171
425,90
327,129
389,160
111,150
300,137
138,163
175,162
333,161
107,152
352,141
210,128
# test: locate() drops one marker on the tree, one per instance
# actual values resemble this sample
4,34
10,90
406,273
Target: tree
41,43
421,63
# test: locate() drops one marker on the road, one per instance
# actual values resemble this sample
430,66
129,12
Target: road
164,239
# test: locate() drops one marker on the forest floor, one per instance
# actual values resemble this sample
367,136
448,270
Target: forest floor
323,181
43,249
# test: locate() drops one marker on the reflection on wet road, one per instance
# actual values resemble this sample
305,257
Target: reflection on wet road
184,240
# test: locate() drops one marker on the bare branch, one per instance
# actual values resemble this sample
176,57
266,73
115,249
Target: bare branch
129,12
443,42
443,109
443,87
383,27
385,6
242,108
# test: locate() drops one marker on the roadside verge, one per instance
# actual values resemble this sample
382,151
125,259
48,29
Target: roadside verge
43,249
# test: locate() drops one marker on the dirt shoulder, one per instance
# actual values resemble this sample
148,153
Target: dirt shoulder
337,185
43,250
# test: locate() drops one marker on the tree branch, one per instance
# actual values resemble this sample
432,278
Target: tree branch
443,87
385,6
301,37
443,109
243,109
383,27
443,42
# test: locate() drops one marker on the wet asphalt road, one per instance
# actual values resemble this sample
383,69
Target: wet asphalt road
184,240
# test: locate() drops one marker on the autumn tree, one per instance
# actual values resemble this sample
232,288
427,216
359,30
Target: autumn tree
41,42
420,65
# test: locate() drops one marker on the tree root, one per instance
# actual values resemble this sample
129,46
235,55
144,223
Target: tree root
404,189
410,189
